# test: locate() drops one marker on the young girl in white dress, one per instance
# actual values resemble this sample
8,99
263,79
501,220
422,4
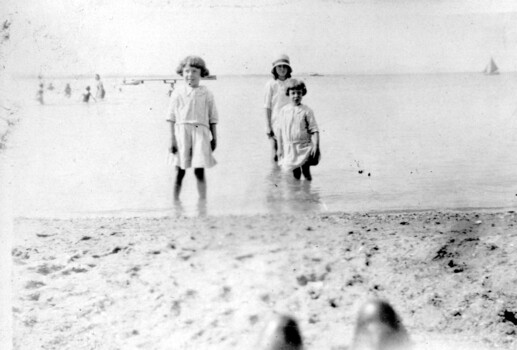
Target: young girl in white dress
275,98
193,117
298,137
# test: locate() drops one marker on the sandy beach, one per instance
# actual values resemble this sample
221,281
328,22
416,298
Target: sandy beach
213,282
414,201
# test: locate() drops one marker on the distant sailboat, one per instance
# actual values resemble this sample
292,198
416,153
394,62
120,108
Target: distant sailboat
491,68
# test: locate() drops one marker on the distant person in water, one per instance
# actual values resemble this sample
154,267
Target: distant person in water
193,117
275,98
378,327
40,93
50,87
68,90
171,88
87,95
298,134
100,93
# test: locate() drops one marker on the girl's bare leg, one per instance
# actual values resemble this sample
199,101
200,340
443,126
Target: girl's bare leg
180,174
306,170
297,173
201,182
274,149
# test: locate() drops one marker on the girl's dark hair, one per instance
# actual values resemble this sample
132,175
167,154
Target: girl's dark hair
294,84
287,76
193,61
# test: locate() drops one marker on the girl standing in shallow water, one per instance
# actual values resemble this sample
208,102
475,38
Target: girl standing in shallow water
275,98
193,117
298,137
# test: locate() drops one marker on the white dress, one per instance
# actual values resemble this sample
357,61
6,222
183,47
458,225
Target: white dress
193,110
295,126
275,99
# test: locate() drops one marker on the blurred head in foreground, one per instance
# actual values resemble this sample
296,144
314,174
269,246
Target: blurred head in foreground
378,327
281,333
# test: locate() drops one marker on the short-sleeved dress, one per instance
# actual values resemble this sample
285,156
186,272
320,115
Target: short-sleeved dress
275,99
193,110
295,124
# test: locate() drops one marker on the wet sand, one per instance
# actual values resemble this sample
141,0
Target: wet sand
212,283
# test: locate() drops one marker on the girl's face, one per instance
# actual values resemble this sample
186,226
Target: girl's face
192,75
296,96
281,71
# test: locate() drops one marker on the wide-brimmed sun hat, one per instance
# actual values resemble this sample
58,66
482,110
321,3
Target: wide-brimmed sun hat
283,60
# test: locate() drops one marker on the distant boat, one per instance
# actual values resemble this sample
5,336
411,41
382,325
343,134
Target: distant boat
165,80
315,75
491,68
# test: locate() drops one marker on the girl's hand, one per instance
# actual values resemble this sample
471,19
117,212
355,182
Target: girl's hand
314,150
213,144
174,147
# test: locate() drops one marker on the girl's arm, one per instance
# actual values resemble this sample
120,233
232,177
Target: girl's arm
174,144
268,103
213,130
280,145
315,138
269,128
312,128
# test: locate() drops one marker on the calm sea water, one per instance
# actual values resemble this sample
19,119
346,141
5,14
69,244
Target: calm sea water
394,142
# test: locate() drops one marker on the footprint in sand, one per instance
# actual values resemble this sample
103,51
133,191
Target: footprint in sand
20,254
226,293
34,285
75,269
46,269
176,308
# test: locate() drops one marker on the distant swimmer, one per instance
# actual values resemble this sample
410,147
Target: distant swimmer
87,94
100,93
40,93
50,87
68,90
171,89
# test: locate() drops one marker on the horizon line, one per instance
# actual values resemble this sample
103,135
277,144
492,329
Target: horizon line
175,76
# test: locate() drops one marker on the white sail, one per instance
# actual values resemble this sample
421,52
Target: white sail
491,68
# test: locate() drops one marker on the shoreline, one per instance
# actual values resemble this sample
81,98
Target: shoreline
166,213
211,282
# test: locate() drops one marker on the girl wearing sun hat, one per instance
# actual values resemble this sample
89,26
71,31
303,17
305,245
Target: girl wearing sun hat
275,97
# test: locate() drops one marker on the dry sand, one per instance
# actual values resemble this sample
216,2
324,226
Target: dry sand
212,283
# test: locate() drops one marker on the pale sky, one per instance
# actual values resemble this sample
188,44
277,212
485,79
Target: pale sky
135,37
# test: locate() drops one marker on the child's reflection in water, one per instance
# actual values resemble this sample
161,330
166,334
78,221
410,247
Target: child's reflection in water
199,209
286,194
